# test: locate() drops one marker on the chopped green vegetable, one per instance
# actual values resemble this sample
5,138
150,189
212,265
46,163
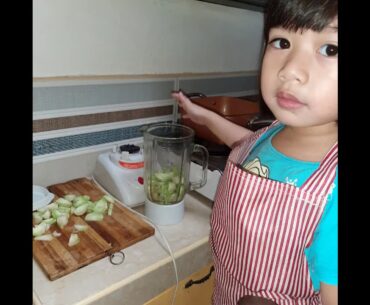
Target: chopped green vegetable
39,229
94,216
63,202
166,186
56,213
42,210
101,206
73,240
49,221
79,200
62,220
64,209
110,209
90,207
46,237
60,210
52,206
108,198
46,215
80,210
70,197
37,217
162,176
80,228
56,234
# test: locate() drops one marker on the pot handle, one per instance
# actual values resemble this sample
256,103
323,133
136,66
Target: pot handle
190,95
203,181
194,94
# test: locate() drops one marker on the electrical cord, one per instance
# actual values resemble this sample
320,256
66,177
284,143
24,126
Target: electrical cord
157,229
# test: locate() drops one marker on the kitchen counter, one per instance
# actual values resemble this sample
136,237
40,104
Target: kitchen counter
147,270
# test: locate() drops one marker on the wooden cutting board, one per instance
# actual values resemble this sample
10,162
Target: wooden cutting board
102,238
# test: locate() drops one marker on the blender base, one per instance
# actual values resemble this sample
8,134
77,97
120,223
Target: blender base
164,214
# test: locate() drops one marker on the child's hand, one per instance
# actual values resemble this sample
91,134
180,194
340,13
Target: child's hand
193,112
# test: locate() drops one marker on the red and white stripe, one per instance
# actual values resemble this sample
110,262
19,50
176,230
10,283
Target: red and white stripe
260,229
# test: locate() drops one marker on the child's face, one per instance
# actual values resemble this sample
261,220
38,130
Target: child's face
299,78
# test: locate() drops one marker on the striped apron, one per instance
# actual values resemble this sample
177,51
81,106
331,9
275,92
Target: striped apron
260,228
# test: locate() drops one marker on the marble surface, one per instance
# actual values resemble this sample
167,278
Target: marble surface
147,269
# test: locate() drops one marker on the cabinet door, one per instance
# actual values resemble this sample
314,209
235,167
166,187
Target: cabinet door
195,294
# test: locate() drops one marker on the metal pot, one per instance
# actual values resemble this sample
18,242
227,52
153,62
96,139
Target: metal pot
236,110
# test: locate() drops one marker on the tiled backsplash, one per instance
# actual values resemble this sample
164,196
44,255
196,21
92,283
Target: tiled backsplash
60,96
72,115
220,85
99,118
58,144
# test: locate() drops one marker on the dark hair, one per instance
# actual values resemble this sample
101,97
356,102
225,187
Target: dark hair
297,15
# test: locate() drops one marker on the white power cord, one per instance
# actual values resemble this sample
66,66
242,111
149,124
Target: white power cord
157,229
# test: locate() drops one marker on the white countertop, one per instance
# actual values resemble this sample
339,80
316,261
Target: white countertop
132,282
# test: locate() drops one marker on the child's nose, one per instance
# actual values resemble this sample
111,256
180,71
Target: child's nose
295,68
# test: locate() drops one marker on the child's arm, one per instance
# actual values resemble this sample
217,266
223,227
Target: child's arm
329,294
225,130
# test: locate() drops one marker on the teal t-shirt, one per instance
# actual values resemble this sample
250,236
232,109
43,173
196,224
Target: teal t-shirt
322,255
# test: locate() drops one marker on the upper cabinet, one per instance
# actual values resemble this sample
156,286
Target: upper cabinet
256,5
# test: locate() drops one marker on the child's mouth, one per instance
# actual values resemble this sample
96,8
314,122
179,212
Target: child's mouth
288,101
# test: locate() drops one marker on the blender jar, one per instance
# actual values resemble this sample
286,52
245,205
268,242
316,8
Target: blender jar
167,157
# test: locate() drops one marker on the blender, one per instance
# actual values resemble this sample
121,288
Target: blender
167,156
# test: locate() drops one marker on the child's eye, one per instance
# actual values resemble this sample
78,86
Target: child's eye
329,50
280,43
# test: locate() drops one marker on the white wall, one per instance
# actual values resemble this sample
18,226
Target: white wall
130,37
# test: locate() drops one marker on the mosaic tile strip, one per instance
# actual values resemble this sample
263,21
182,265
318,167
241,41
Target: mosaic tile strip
99,118
49,146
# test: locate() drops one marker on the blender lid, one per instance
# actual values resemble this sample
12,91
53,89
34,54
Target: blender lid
130,148
169,132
